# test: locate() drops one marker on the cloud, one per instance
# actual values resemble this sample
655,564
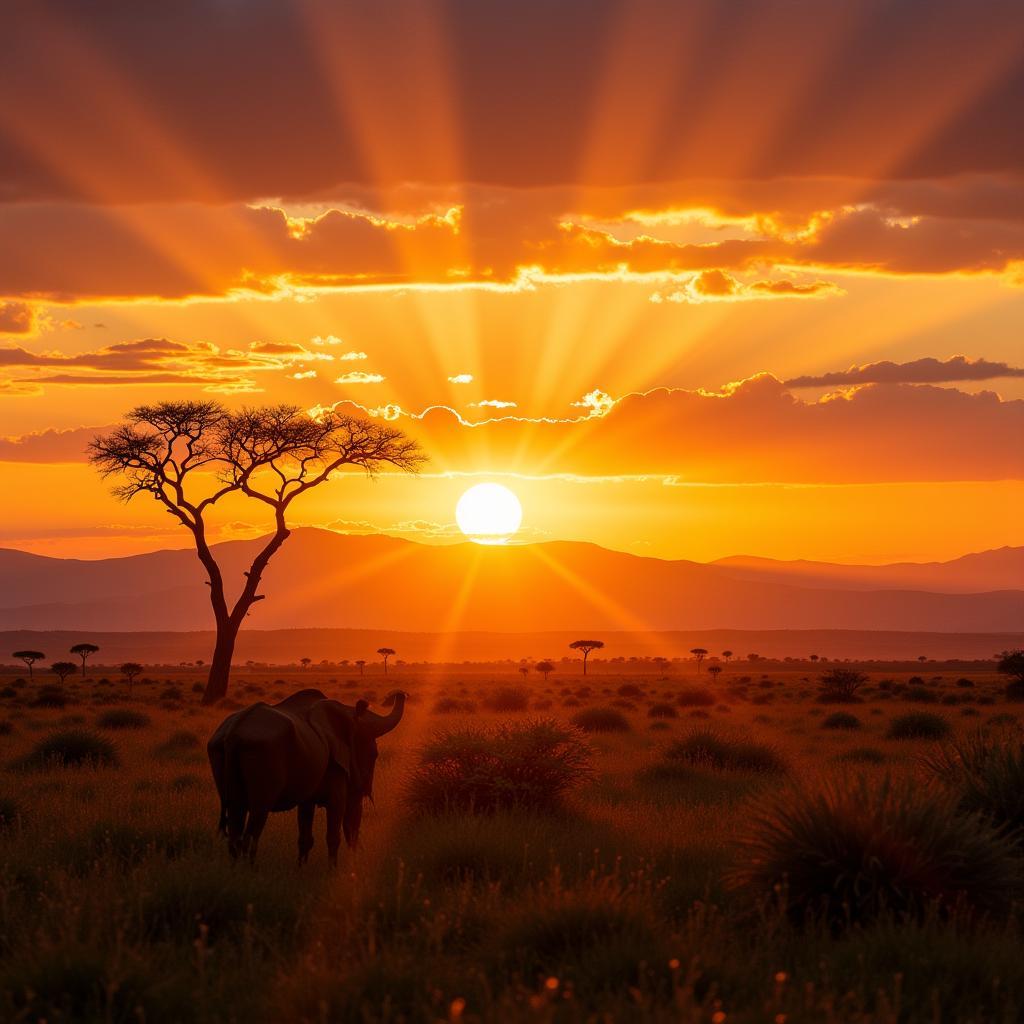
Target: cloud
919,371
461,378
492,403
17,318
359,377
756,430
49,445
717,285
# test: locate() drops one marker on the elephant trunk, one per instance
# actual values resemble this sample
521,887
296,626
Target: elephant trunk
378,725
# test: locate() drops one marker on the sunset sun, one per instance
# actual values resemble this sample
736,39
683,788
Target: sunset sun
489,513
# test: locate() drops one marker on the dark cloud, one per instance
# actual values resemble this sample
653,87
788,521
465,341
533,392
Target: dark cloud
16,318
919,371
213,100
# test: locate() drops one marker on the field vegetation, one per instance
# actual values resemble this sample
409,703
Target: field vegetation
629,846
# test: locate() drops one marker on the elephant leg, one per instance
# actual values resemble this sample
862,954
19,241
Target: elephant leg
306,813
235,830
352,820
335,815
253,831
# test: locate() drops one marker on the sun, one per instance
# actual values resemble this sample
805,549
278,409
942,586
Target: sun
489,513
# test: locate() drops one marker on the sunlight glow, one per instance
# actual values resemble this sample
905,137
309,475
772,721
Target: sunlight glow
489,513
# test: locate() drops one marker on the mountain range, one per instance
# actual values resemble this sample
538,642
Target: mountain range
322,579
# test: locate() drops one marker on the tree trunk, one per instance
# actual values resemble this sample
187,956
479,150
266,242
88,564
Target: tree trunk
220,666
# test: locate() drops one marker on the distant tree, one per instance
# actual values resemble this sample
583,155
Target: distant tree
842,684
190,455
699,653
1011,663
544,668
385,653
663,665
62,669
29,657
130,669
714,671
922,658
753,657
586,646
362,664
727,655
814,657
524,670
84,651
305,662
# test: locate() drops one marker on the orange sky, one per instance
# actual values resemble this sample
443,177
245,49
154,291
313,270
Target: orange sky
694,279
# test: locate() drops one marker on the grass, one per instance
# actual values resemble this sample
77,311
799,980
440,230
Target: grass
123,718
919,725
70,748
526,885
601,720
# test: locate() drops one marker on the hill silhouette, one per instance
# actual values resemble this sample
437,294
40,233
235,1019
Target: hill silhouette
328,580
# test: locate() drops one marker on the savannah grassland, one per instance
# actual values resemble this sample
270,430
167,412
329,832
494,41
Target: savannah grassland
627,902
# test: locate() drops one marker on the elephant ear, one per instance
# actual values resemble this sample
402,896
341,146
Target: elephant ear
331,721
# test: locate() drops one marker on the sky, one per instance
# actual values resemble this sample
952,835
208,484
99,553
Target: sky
694,279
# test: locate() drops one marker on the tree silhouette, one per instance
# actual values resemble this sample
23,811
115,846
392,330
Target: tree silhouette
715,671
29,657
544,667
84,651
814,657
62,669
273,454
727,655
922,658
385,653
586,646
130,669
1011,663
524,670
305,662
700,653
362,664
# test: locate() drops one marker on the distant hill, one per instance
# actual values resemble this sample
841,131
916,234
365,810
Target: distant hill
1001,569
329,580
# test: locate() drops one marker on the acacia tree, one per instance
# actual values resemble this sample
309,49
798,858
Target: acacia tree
544,668
130,669
385,653
190,455
586,646
84,651
29,657
361,662
62,669
699,653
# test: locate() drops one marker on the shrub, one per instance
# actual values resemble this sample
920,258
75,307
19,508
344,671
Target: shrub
840,686
985,776
51,697
451,706
850,854
507,699
530,766
921,696
919,725
122,718
630,690
965,683
841,720
180,742
704,748
71,748
695,697
662,711
601,720
7,692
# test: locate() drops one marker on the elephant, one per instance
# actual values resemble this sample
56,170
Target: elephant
304,752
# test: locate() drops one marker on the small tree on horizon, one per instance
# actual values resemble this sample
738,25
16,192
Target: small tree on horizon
305,662
727,655
1011,663
715,671
190,455
586,646
362,664
385,653
524,670
84,651
699,653
30,658
544,668
130,669
62,669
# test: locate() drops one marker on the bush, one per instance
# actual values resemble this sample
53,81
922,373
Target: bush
985,776
694,697
507,699
662,711
530,766
122,718
704,748
51,697
71,748
451,706
841,720
851,854
921,696
919,725
180,742
840,686
601,720
630,690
